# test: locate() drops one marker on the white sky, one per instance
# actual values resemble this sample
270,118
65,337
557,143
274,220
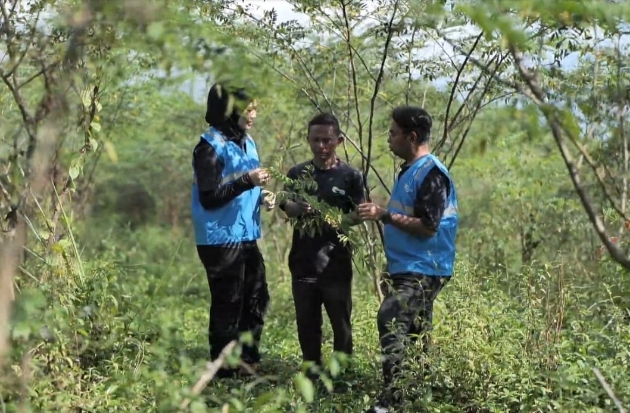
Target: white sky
285,12
284,9
438,49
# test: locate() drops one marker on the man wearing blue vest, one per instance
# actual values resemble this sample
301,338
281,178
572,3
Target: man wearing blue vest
226,200
420,228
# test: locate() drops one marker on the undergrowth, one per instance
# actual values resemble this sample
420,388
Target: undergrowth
131,335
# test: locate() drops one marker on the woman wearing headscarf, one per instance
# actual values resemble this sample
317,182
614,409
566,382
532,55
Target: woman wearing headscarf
226,200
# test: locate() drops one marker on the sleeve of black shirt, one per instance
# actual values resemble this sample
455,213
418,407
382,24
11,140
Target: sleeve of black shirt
208,169
432,198
357,191
292,174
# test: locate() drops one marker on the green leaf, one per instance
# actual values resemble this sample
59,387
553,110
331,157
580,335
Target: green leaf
334,366
111,152
155,30
86,97
21,330
305,387
111,389
32,300
247,338
96,127
74,172
198,406
264,399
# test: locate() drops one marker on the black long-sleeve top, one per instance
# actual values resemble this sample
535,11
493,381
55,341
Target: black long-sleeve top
431,197
209,168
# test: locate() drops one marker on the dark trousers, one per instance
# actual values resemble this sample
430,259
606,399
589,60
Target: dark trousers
239,297
333,290
405,313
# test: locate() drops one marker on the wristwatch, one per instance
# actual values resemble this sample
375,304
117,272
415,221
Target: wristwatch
387,218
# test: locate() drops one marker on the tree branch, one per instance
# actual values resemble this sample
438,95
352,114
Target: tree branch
537,95
36,179
355,82
350,46
456,83
296,54
360,151
377,85
209,373
409,59
609,390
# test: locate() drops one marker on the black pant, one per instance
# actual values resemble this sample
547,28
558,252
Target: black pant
409,306
333,290
238,293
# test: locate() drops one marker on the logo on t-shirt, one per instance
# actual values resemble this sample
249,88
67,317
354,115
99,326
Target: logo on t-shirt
338,191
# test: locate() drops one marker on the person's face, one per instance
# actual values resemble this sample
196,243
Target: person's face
323,141
246,120
400,142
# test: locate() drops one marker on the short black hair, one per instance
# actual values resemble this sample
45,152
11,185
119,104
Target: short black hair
414,119
326,119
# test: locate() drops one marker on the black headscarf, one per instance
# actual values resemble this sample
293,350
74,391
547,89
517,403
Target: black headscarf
224,107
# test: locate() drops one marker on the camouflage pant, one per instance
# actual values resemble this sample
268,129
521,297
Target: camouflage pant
406,313
239,297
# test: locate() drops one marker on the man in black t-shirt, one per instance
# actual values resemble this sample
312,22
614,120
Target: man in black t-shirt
321,265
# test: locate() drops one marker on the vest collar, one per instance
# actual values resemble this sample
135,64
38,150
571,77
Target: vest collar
417,160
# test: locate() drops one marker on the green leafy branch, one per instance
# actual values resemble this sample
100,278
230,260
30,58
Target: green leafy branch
325,215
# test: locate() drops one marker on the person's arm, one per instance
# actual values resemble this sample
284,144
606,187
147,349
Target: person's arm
287,188
357,197
291,205
429,206
208,170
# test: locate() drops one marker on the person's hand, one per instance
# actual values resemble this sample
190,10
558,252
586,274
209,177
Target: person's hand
269,199
259,176
370,212
296,208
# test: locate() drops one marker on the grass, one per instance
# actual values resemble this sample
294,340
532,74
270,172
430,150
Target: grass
133,337
280,348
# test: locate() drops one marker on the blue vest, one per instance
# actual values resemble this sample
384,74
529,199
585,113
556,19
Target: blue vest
406,253
239,219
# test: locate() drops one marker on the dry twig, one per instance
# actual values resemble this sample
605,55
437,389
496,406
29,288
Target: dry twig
211,370
609,390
